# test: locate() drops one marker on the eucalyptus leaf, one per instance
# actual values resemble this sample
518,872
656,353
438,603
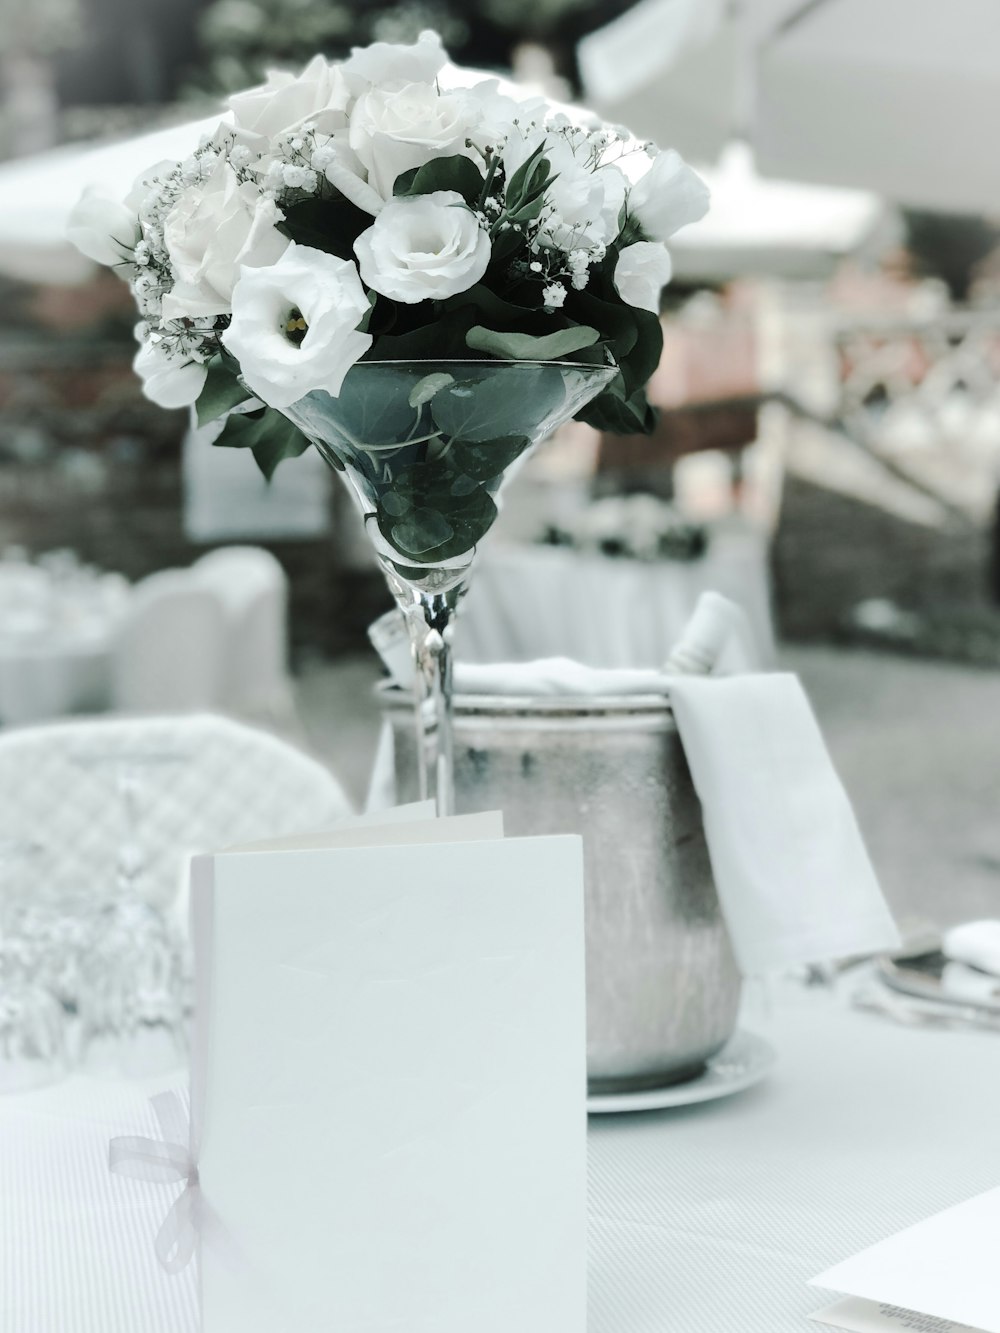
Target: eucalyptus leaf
527,347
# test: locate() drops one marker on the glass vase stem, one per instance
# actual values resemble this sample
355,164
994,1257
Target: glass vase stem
432,651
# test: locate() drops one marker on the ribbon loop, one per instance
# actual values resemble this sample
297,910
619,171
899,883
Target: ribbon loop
165,1161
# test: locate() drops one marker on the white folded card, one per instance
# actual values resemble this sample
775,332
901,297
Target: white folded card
936,1277
389,1086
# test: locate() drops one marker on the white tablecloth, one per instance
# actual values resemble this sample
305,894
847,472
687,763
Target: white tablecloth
704,1220
544,601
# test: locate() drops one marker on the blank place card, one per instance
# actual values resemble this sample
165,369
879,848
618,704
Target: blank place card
389,1087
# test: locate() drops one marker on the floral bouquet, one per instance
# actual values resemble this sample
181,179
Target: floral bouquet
364,211
417,273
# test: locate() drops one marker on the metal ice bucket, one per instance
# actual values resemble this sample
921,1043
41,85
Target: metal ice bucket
662,983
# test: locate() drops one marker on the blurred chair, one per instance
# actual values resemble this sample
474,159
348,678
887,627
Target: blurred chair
79,792
252,587
170,650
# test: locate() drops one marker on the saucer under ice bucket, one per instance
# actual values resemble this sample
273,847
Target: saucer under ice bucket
662,984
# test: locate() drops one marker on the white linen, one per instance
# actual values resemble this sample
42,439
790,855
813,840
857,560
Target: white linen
976,943
545,601
707,1218
793,876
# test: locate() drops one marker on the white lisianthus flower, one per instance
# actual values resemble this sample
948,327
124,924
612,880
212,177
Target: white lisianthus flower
668,196
168,381
642,272
389,62
213,231
403,126
320,94
428,247
295,325
103,227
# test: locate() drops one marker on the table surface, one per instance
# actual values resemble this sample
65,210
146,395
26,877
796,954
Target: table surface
707,1219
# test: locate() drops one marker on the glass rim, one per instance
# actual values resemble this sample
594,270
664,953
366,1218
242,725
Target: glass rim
481,361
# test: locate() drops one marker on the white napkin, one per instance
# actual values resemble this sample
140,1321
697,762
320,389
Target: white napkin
555,676
793,876
976,943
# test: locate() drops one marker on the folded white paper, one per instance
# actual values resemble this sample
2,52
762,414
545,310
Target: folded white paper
854,1315
388,1103
944,1268
791,869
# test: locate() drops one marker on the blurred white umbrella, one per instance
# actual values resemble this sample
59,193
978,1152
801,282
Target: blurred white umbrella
895,96
758,226
37,193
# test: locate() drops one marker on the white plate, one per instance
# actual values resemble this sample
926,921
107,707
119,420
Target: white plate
742,1062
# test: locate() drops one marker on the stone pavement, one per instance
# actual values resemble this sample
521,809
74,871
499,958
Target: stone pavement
916,743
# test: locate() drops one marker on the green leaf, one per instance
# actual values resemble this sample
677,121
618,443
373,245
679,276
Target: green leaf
512,401
270,437
487,462
222,391
424,390
611,411
518,183
331,224
443,173
526,347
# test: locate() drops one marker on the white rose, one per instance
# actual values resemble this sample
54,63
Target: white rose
166,380
423,248
213,231
387,62
491,114
668,196
320,94
403,126
326,293
103,227
642,272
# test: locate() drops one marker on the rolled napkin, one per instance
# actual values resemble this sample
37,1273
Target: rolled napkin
976,943
792,872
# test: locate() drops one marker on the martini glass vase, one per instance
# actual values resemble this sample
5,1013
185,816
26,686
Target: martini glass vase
426,447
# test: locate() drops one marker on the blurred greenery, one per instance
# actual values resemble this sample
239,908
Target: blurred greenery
240,39
38,27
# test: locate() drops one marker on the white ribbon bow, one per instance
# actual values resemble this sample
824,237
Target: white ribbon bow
165,1161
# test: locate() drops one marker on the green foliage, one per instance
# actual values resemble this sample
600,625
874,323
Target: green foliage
443,173
267,434
223,390
331,224
526,347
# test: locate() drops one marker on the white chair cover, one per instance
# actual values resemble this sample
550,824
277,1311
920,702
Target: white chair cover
252,588
170,649
201,782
